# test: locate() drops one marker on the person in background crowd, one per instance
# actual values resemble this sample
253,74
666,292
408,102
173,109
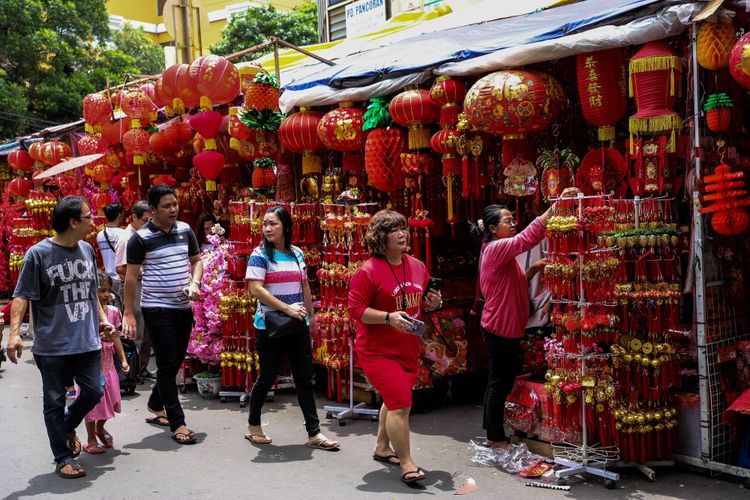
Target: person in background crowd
504,286
203,227
59,278
111,402
139,216
386,298
106,240
277,277
167,251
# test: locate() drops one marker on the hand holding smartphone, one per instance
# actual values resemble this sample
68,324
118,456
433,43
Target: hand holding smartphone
435,284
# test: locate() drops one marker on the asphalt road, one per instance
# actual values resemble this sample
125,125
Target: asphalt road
146,463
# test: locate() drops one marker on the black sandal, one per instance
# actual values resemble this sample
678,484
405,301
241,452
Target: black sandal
77,469
184,437
73,443
413,480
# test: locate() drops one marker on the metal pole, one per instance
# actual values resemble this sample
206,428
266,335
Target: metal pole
699,287
276,59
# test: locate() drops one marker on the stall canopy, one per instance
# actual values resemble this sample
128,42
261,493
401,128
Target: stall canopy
485,46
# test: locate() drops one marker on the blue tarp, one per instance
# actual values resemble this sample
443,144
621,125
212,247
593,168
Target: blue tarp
429,50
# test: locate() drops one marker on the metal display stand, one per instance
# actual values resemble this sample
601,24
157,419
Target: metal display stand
341,413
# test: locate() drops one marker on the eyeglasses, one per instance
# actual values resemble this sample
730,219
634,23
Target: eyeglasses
89,216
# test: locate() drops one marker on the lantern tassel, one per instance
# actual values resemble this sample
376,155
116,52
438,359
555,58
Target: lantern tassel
419,137
311,163
465,179
210,185
448,180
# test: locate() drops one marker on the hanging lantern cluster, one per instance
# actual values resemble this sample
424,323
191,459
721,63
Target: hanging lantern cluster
602,89
724,195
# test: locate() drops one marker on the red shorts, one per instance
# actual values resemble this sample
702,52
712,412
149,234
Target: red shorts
391,377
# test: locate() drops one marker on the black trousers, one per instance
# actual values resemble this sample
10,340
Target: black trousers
505,363
298,350
169,330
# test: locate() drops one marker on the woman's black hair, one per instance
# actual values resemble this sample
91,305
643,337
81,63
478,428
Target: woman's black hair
286,224
200,233
490,217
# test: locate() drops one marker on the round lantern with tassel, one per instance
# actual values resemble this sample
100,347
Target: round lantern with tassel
20,187
414,109
97,109
102,173
20,160
207,124
448,94
444,142
91,144
186,97
101,200
299,134
209,164
215,80
602,89
739,61
714,44
341,130
383,148
718,110
139,107
53,152
135,142
654,82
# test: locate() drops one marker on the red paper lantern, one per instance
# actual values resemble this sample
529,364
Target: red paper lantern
164,179
449,95
654,82
166,89
383,158
730,222
414,109
187,96
135,142
299,133
207,124
97,110
101,200
139,107
159,96
113,132
35,151
20,187
20,160
91,144
102,174
444,143
602,89
160,145
513,102
209,165
341,130
53,152
739,61
214,79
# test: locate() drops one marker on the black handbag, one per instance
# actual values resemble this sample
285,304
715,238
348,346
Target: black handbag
279,324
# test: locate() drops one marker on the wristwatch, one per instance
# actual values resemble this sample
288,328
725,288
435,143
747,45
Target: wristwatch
387,318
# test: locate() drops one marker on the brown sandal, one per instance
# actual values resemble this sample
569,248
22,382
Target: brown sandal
73,443
77,469
258,438
184,437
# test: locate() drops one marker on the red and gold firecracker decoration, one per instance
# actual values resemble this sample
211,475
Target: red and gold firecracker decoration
448,94
214,79
602,89
714,44
724,195
414,109
654,82
299,133
341,130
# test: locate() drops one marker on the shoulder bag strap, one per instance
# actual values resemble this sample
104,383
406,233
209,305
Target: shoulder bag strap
106,237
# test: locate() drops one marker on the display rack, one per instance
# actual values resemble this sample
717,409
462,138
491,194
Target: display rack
341,413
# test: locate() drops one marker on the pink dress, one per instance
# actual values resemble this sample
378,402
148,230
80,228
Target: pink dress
111,401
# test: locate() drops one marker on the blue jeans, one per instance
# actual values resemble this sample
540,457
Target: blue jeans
86,369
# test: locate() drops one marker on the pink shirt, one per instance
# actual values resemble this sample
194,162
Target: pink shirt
503,282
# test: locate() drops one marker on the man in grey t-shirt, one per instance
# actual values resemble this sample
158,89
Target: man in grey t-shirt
58,278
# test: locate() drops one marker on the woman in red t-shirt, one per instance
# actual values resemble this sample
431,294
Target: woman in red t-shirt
386,295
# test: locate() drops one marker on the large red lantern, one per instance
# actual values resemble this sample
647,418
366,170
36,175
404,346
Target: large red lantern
97,109
654,82
299,133
166,90
139,107
102,174
414,109
189,97
35,151
53,152
20,160
214,79
101,200
207,124
602,89
209,164
91,144
20,187
135,142
113,132
341,130
449,95
739,61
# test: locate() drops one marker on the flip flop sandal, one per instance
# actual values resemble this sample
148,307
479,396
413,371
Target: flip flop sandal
77,469
73,443
107,440
256,438
412,480
159,420
387,459
183,438
93,449
321,445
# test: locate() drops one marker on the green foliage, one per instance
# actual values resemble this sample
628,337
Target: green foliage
268,119
265,78
377,115
720,100
54,52
258,24
265,163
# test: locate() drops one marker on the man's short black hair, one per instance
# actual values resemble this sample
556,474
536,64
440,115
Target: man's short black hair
67,208
140,208
155,194
113,211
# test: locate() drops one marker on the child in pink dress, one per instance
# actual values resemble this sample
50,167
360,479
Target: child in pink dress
110,402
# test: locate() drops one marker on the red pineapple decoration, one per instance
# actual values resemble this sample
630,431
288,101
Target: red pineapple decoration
264,174
262,93
602,89
414,109
383,148
299,134
97,109
341,130
724,195
449,95
215,80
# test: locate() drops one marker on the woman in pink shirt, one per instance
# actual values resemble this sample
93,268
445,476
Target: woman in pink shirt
504,286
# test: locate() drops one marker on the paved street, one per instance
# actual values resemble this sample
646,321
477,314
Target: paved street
145,463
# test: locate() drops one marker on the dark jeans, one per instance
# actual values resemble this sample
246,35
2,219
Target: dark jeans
298,350
144,352
86,369
169,330
504,365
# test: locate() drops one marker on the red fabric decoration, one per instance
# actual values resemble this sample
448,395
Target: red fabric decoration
214,79
20,160
299,133
414,109
20,187
97,109
53,152
341,129
448,94
382,158
602,89
209,165
654,82
207,124
739,61
139,107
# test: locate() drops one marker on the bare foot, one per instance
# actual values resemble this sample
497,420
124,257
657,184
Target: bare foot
256,435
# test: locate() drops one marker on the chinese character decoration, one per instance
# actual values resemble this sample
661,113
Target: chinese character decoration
341,130
602,89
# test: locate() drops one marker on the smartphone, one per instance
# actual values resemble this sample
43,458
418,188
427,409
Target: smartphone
433,284
417,327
